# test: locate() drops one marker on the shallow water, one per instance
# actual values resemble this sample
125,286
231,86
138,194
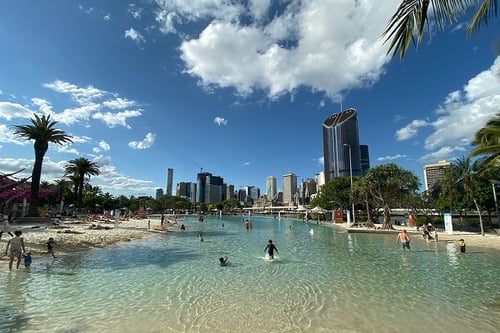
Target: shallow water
321,281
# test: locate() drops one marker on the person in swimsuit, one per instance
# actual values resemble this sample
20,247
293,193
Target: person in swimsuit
404,239
50,247
16,245
270,248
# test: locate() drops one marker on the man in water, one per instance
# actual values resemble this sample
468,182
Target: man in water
223,260
404,239
270,248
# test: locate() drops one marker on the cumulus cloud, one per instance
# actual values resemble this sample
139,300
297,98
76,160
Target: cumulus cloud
245,48
220,121
103,146
410,130
444,153
134,35
118,103
9,111
135,11
80,95
148,142
117,119
107,17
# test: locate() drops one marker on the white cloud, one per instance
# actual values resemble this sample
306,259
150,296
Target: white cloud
117,119
9,111
118,103
76,115
103,146
43,105
444,153
321,160
246,164
135,11
390,158
220,121
134,35
80,95
148,142
285,53
107,17
465,112
410,130
7,136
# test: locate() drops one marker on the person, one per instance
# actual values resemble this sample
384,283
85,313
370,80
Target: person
223,260
50,246
162,218
461,243
27,259
16,245
200,237
6,227
404,239
270,248
183,227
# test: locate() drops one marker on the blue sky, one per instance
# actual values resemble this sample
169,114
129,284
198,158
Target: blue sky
239,89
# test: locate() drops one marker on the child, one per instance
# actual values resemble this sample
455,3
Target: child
50,246
461,243
223,260
27,259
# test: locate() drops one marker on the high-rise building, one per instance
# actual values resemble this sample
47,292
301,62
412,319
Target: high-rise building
229,192
341,149
307,190
365,159
320,180
159,193
271,190
183,190
289,187
170,181
210,188
434,173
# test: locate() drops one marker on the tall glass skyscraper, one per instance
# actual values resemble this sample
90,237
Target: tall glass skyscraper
341,145
271,187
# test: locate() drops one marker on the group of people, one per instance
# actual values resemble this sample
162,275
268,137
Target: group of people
404,239
16,248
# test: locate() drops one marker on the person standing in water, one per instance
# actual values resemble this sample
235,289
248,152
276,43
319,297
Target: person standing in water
270,248
16,245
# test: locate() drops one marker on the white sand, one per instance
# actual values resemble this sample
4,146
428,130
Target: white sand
72,235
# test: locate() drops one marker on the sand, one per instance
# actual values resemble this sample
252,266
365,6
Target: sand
74,235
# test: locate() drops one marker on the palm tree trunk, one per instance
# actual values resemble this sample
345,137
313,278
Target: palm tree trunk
480,217
35,182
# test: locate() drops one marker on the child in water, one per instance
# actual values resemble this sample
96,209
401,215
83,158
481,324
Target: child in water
223,260
27,259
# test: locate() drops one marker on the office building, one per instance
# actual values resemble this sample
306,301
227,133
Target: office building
289,188
159,193
170,180
307,191
434,173
210,189
183,190
341,149
365,159
229,192
271,189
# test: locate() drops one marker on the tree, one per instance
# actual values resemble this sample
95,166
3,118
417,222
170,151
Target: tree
487,142
81,168
336,193
388,185
413,15
42,131
468,176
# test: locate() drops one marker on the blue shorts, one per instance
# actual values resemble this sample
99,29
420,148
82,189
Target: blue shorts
405,245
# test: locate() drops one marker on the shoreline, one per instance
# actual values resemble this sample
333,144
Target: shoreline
71,235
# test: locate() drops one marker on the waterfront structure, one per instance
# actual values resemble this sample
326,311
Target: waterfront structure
434,173
341,149
271,188
170,179
289,187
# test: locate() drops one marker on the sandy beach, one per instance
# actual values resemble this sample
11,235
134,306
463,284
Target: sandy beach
73,235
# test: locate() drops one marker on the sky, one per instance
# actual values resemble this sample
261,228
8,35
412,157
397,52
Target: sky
239,89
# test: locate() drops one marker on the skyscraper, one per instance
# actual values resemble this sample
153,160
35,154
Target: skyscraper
289,187
210,188
365,159
434,173
170,180
271,187
341,145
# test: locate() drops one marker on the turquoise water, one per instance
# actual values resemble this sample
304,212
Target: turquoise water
322,281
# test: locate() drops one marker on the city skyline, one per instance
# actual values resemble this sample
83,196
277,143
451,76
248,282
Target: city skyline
237,88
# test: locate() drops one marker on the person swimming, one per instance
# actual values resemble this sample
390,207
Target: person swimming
270,248
223,261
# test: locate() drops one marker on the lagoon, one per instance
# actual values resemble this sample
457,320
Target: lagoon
323,280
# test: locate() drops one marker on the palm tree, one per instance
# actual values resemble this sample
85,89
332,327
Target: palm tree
42,131
80,168
413,15
468,177
487,142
